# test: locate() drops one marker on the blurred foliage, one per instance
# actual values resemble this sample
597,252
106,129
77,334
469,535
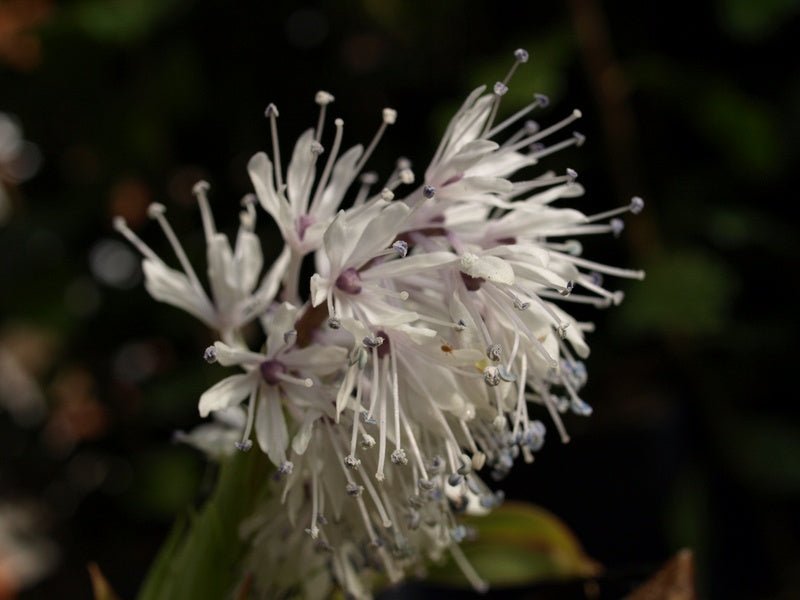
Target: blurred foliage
200,557
688,293
517,545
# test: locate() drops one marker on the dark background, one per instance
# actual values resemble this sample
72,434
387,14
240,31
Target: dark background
695,106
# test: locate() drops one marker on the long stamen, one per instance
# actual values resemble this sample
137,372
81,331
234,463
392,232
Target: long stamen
577,139
145,250
156,211
385,520
601,268
337,142
246,443
367,181
306,382
523,373
322,98
389,117
200,191
574,116
467,569
314,530
272,114
373,390
614,297
538,101
395,397
382,425
635,206
413,443
356,415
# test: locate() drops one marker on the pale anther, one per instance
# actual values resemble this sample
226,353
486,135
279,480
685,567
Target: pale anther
637,204
389,116
200,187
323,98
521,55
155,210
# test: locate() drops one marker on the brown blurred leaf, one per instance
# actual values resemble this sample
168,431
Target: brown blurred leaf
100,586
674,581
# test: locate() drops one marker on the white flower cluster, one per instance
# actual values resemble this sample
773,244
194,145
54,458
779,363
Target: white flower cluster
433,332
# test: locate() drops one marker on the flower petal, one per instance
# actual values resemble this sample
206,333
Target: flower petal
173,287
270,425
228,392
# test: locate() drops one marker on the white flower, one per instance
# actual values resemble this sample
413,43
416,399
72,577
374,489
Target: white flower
270,381
233,274
451,301
303,205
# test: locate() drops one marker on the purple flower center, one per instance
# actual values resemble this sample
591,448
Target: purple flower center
303,223
473,283
270,369
349,281
384,348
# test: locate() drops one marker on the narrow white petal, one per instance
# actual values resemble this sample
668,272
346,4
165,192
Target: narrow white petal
343,175
272,280
222,274
249,260
409,265
277,324
319,289
270,425
173,287
297,183
228,356
261,174
319,360
380,233
303,436
338,241
228,392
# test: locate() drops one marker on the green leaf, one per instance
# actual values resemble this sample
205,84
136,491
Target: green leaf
687,292
120,21
519,544
199,560
755,20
